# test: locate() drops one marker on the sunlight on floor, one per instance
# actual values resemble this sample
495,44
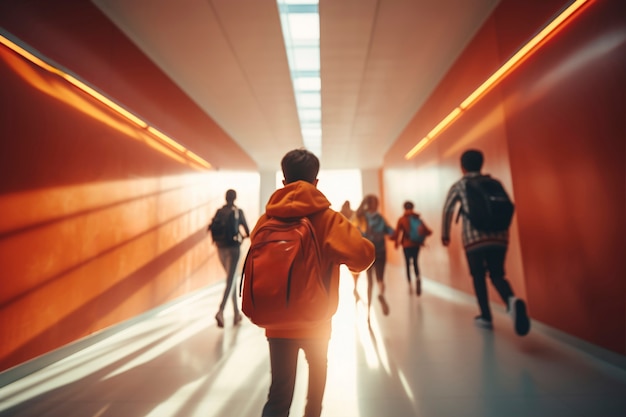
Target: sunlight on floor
424,359
351,334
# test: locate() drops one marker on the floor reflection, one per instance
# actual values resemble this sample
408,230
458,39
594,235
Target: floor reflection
424,359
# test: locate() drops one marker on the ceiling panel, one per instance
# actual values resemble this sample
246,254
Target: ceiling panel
380,60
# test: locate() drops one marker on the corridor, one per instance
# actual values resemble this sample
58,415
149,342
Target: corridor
425,359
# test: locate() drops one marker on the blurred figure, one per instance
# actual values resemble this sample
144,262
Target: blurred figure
485,242
411,232
376,230
347,211
225,229
350,214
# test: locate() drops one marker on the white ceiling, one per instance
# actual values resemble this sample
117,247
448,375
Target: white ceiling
380,60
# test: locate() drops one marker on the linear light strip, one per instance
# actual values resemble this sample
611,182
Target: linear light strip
103,99
530,47
157,134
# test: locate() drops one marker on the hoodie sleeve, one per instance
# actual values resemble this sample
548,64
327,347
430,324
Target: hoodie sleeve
344,244
388,229
399,232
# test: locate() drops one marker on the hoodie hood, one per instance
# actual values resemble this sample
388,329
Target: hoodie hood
296,199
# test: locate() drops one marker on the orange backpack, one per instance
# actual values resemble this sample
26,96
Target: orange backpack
281,283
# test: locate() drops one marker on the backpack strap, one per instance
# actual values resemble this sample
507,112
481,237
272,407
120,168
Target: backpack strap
236,213
461,211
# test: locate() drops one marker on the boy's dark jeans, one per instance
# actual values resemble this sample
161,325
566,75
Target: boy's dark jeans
481,260
410,257
283,361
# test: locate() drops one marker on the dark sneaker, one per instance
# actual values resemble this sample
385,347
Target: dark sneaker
483,323
418,287
517,310
237,319
384,304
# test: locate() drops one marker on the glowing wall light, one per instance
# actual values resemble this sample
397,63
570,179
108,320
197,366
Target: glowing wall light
165,144
524,52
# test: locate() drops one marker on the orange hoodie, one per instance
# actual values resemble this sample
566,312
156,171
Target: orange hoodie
339,240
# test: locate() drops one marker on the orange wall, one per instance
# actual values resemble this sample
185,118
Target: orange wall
96,227
555,133
76,35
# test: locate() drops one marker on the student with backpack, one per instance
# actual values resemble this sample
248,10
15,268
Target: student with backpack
487,211
290,283
376,230
225,231
411,233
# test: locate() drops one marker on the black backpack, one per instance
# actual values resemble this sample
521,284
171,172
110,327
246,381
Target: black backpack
224,227
489,207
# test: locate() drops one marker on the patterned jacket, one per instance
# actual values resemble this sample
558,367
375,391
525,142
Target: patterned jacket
472,238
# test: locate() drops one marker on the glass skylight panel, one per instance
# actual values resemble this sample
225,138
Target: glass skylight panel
306,59
300,2
307,83
310,115
301,32
304,27
309,100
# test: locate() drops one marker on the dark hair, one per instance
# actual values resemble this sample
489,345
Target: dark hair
300,165
231,195
370,202
472,160
408,205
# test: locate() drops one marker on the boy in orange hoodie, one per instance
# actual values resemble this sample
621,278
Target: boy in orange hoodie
340,243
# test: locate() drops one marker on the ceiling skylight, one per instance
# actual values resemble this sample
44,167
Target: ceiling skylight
301,31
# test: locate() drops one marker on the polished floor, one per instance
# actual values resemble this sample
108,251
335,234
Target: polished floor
425,359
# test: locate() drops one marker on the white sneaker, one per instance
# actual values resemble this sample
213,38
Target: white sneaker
517,311
483,323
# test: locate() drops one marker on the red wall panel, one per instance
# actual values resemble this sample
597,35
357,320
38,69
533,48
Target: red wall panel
554,131
566,135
